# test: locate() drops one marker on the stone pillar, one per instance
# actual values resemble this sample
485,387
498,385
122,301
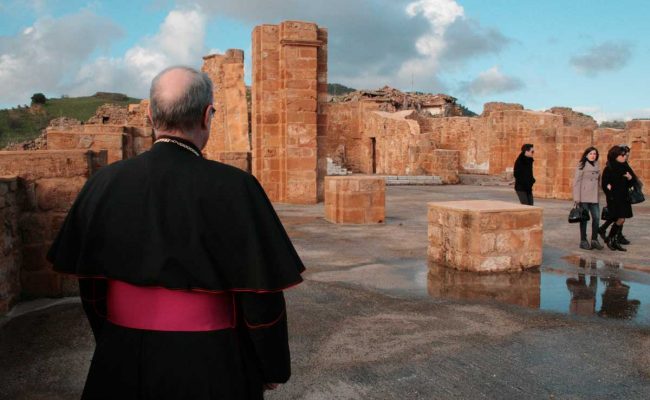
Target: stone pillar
289,78
229,128
485,235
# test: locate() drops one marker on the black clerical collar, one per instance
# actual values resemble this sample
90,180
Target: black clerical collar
183,143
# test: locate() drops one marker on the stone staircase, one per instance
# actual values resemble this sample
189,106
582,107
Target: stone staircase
335,169
399,180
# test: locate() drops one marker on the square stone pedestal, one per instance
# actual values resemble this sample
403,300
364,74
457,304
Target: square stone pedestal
355,199
485,235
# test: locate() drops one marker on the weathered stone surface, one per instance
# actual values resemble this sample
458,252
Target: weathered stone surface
10,257
33,205
229,127
101,137
485,236
355,199
31,165
241,160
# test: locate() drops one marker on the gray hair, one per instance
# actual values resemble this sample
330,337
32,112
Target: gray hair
185,112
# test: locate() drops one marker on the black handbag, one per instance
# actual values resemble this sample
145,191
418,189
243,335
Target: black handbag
635,195
578,214
605,214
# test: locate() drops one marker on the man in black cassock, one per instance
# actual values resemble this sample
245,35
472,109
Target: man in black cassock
172,220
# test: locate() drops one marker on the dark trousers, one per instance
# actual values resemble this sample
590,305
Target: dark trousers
525,198
594,210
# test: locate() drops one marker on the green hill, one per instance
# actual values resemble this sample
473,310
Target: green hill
24,123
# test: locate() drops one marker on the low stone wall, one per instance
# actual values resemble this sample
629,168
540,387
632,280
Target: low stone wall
10,249
113,142
120,141
48,182
355,199
485,236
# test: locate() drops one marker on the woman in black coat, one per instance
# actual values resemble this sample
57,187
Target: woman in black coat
616,182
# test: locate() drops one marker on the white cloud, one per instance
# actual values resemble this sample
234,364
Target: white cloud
45,56
179,41
379,42
54,56
601,115
491,82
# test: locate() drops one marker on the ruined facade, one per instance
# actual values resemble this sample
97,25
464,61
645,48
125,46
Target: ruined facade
289,82
35,196
368,140
124,133
229,132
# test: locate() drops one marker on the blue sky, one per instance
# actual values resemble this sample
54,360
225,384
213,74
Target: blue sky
591,55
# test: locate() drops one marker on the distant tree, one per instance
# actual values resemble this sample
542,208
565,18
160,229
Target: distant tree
336,89
39,98
612,124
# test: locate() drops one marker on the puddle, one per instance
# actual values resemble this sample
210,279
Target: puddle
585,287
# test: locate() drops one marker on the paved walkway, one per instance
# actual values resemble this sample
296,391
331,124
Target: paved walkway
363,326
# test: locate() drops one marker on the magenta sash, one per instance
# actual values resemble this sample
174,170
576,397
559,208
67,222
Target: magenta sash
160,309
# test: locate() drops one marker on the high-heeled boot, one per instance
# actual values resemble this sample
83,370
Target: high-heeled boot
622,239
612,239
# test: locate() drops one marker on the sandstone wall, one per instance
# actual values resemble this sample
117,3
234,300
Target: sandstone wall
229,128
10,246
48,183
443,163
467,135
120,141
400,148
289,79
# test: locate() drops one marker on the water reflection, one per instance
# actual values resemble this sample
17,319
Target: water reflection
522,288
615,300
594,290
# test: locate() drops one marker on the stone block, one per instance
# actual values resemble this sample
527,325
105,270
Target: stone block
355,199
484,236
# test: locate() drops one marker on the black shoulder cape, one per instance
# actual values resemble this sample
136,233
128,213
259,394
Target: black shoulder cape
169,218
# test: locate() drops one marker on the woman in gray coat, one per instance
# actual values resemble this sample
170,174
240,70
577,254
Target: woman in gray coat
586,194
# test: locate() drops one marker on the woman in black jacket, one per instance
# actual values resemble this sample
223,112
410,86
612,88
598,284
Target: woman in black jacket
616,183
523,172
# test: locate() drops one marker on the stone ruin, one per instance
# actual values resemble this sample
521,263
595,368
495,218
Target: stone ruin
230,139
285,138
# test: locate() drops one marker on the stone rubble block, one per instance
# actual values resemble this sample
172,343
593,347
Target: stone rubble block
484,235
355,199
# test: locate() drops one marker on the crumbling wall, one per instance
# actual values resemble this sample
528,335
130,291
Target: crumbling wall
112,138
110,114
443,163
468,135
574,118
499,106
48,183
288,82
10,247
229,128
399,145
510,129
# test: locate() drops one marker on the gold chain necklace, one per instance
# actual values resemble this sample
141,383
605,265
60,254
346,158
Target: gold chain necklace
176,142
